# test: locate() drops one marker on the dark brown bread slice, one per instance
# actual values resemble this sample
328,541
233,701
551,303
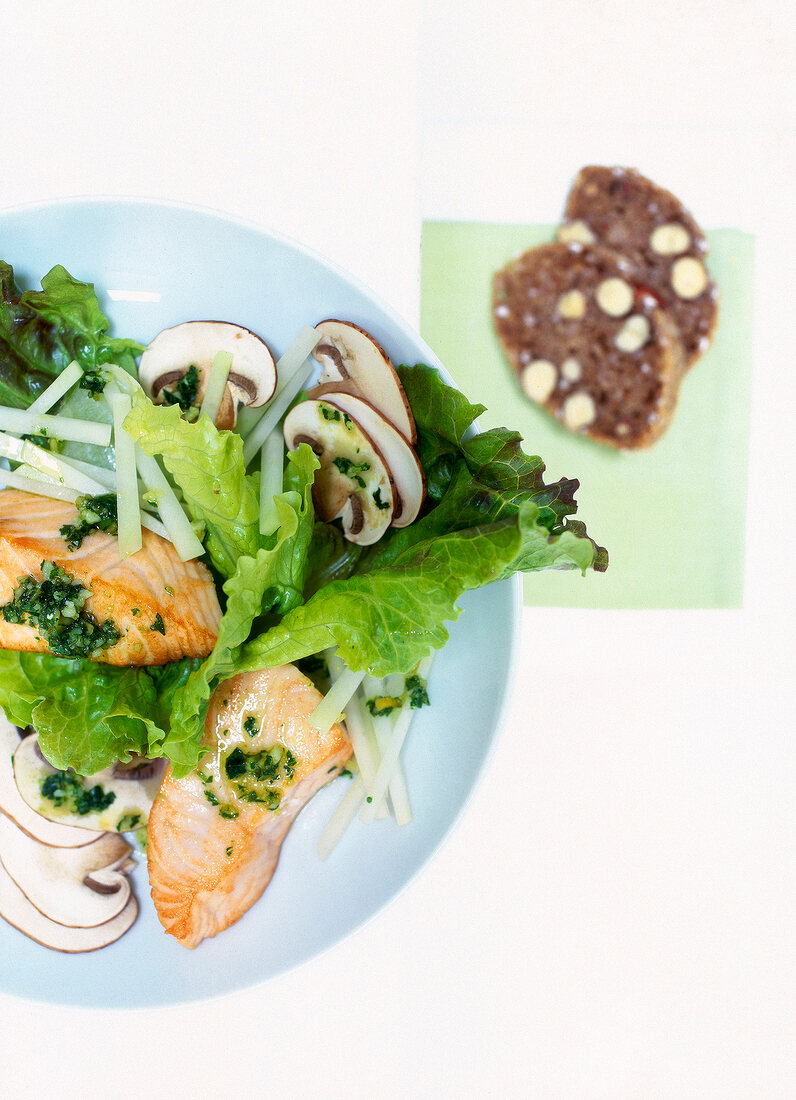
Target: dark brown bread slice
588,346
621,209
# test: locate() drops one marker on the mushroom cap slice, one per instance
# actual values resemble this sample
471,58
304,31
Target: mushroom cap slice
60,882
350,354
133,796
354,482
23,915
17,809
252,375
402,462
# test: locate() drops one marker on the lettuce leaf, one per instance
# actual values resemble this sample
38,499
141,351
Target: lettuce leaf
387,619
272,581
489,514
88,714
208,467
43,331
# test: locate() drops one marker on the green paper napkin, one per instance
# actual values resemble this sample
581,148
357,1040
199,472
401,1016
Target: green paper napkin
672,517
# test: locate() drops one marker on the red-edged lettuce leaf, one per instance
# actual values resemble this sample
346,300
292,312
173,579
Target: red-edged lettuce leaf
43,331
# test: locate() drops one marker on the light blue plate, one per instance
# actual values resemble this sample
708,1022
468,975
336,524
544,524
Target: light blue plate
154,265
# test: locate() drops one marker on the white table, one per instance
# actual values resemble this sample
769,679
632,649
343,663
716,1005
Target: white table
613,917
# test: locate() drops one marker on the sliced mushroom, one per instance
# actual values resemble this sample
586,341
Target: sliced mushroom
401,460
23,915
134,791
354,482
252,376
350,354
17,809
61,882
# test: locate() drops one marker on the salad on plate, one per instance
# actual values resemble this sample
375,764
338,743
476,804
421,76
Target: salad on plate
223,577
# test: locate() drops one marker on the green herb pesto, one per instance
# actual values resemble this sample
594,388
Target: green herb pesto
66,789
158,624
354,470
184,393
377,500
416,689
261,776
94,381
328,413
128,823
54,605
228,850
93,514
250,726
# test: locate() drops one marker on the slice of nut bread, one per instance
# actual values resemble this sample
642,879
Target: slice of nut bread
587,344
621,209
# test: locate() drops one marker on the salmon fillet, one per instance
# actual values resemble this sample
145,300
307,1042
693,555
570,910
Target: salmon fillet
211,853
131,592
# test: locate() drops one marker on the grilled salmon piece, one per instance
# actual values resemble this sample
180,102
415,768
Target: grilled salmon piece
132,592
211,850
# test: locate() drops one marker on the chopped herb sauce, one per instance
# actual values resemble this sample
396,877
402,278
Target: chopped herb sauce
93,514
416,689
250,726
256,777
158,624
64,788
94,381
354,470
128,822
184,393
54,605
380,504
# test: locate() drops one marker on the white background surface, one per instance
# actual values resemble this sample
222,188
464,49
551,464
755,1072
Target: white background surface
614,916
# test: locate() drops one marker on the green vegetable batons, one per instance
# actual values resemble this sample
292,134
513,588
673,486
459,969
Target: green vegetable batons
128,508
292,371
177,524
59,427
45,462
216,382
57,389
272,461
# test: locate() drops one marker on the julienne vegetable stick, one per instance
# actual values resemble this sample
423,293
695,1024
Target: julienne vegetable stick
397,789
342,817
68,377
43,486
101,474
40,486
216,382
387,764
177,525
128,510
272,462
286,366
288,386
62,471
22,421
336,699
366,750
